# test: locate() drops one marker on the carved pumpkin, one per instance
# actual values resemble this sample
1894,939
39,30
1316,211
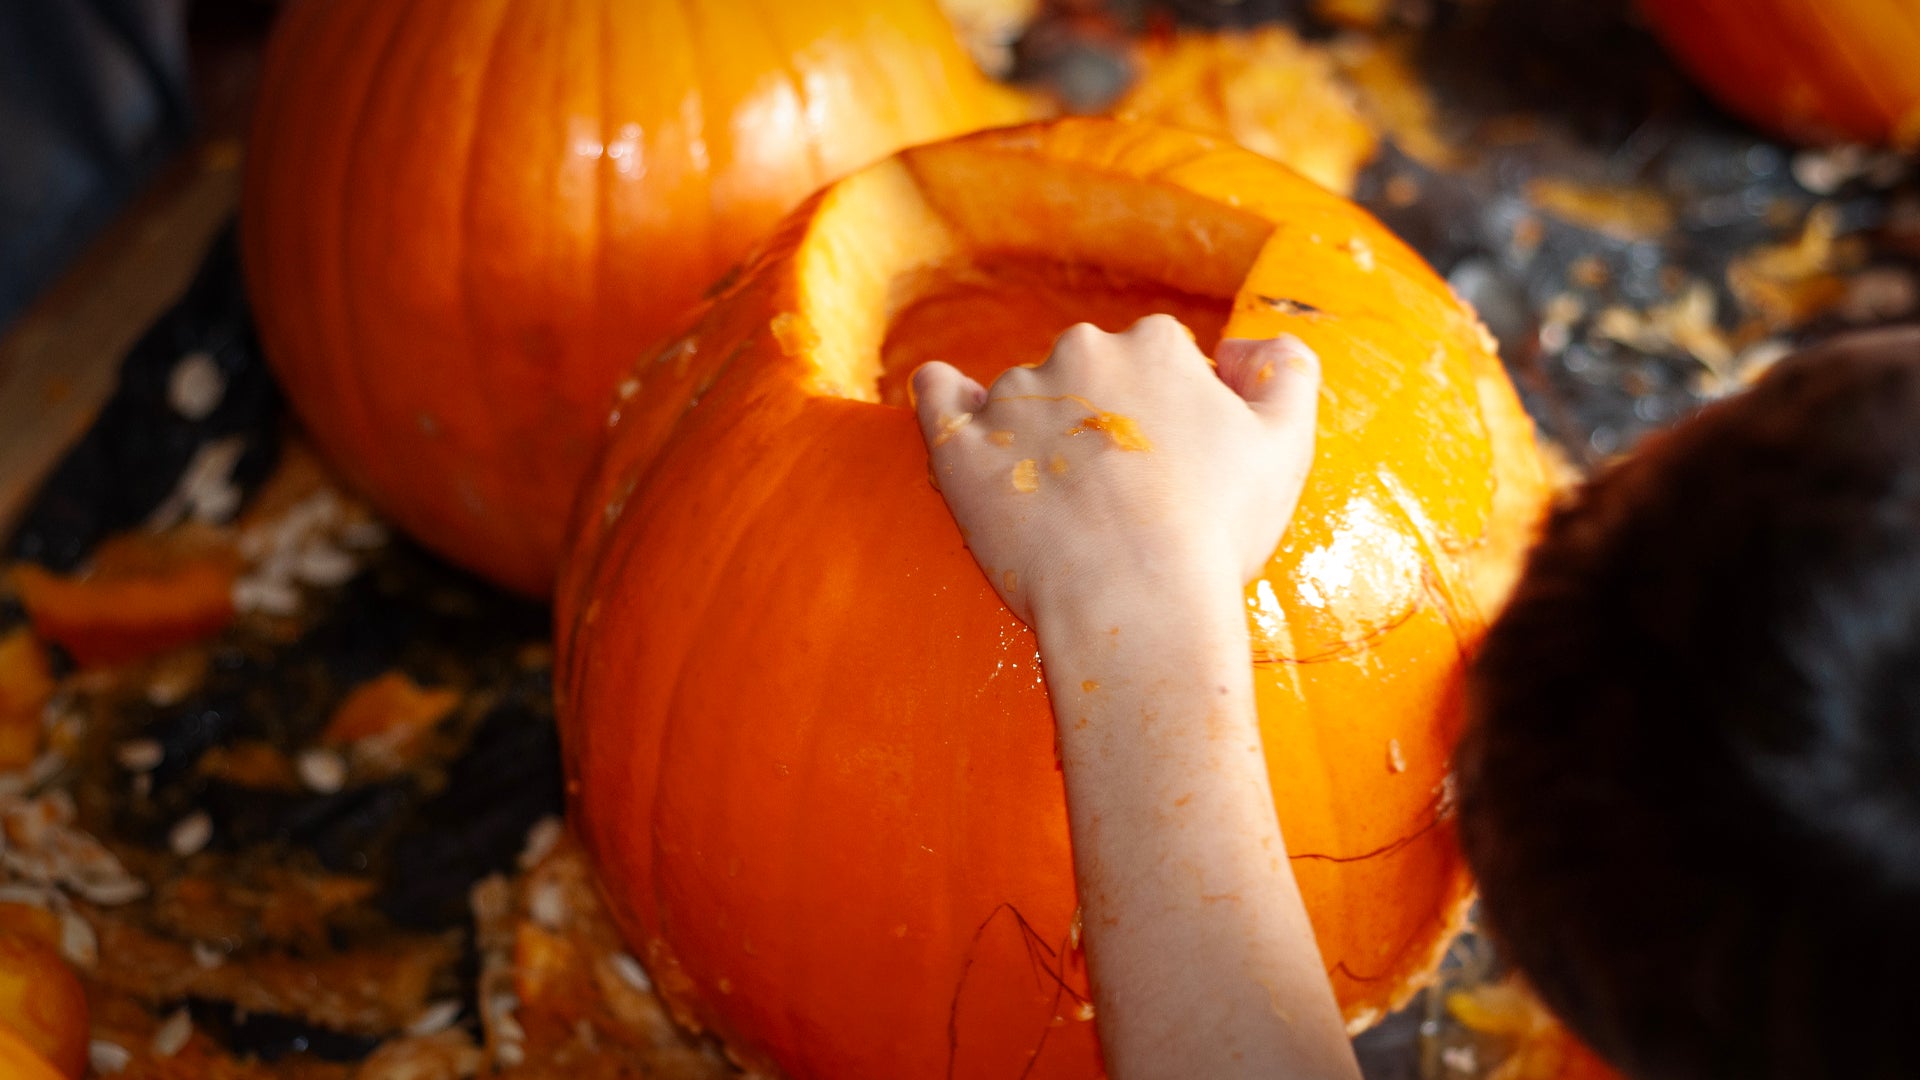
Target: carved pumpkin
464,218
811,752
1816,70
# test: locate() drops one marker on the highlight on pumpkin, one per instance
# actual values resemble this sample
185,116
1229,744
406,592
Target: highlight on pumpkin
842,729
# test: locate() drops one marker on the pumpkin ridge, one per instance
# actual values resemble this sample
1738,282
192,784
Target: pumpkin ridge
353,387
340,388
465,227
627,553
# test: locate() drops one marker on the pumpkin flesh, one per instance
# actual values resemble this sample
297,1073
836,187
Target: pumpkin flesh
985,318
823,793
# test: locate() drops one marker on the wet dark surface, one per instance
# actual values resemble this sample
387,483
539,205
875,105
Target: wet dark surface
133,456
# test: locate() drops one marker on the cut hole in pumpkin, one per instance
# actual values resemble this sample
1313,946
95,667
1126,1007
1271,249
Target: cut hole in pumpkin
983,263
989,316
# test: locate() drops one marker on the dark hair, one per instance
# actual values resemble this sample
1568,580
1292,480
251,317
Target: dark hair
1691,790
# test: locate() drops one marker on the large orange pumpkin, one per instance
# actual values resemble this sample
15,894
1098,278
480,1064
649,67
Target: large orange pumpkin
809,749
463,218
1816,70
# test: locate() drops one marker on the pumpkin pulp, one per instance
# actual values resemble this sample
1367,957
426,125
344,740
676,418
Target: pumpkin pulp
986,317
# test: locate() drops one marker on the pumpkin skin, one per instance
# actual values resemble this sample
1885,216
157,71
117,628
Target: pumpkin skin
1820,71
809,750
463,219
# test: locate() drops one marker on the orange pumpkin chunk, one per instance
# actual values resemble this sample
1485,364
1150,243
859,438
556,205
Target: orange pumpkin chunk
143,597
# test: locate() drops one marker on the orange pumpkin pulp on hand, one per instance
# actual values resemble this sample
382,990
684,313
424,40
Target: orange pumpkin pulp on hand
811,752
464,218
1815,70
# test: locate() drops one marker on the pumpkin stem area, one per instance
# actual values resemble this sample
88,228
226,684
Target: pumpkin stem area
982,259
985,317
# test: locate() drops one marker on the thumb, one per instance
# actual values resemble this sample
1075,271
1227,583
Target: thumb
945,400
1279,378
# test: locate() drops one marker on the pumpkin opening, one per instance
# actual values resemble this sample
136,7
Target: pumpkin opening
984,267
984,317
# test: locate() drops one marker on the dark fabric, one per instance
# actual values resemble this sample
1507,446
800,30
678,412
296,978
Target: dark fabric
93,94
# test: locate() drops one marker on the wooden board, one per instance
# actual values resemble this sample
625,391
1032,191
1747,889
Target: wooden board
59,360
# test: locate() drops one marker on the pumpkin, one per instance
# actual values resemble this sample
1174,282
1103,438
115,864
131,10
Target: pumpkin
463,218
143,594
808,748
1816,70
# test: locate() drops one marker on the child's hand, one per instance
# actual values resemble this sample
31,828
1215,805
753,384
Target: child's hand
1123,454
1119,496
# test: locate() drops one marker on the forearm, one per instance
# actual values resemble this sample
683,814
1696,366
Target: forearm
1216,973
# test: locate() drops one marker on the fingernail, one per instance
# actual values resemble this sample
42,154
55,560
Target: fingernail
1296,354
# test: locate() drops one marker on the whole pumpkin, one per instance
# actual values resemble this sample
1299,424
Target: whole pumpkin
1815,70
811,752
464,218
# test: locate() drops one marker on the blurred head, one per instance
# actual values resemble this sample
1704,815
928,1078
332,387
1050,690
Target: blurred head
1692,788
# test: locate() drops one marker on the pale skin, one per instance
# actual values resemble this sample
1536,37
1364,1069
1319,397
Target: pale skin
1127,556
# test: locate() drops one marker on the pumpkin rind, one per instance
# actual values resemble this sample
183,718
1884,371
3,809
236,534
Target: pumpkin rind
811,752
1820,71
463,218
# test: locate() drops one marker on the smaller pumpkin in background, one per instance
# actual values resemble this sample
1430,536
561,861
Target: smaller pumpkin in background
463,220
1819,71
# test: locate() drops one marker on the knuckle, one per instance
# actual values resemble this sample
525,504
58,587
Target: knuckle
1081,336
